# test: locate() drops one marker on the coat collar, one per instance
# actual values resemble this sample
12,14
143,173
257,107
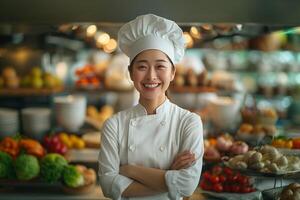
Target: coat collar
141,110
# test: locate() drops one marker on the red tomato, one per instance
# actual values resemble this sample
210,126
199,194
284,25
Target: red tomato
214,179
222,178
226,188
243,180
217,170
235,188
206,175
246,189
47,141
205,185
228,171
218,187
296,144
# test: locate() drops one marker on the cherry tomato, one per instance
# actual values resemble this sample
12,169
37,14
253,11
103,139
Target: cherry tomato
246,189
47,141
243,180
205,185
218,187
217,170
206,175
228,171
222,178
226,188
214,179
235,188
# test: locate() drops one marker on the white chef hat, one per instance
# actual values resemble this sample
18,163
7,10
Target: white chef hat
152,32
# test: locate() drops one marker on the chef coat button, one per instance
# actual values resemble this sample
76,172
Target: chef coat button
162,148
163,123
131,148
133,123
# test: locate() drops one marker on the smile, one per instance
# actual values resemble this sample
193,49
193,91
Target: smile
152,85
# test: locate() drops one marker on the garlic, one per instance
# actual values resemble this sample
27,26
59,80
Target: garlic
241,165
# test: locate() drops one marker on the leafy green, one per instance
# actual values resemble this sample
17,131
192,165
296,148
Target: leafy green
27,167
6,166
72,177
52,166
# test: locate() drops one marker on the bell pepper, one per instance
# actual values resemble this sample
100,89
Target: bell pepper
10,146
296,143
32,147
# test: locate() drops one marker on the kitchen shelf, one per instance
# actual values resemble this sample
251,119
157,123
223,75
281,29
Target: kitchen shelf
190,89
29,92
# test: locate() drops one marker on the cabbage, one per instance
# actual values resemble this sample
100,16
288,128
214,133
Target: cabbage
27,167
72,177
6,166
52,166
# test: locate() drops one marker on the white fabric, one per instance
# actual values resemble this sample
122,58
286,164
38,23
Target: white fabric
152,32
133,137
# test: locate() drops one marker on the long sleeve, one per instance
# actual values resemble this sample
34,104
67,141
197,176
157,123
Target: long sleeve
182,183
112,183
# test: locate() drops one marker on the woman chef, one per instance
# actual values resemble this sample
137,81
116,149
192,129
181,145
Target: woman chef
153,150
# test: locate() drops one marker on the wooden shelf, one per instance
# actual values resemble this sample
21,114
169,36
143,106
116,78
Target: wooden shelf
29,91
190,89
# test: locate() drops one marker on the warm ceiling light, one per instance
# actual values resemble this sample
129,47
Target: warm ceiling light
110,46
195,32
188,40
91,30
102,39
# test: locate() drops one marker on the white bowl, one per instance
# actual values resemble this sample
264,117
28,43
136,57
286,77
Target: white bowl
70,112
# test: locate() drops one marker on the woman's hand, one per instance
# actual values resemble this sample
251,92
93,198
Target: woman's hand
183,160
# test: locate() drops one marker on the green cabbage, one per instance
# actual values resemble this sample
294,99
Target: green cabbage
52,166
27,167
72,177
6,166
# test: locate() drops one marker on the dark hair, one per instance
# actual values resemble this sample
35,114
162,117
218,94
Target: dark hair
131,63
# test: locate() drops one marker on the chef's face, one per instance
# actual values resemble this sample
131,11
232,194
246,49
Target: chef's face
151,72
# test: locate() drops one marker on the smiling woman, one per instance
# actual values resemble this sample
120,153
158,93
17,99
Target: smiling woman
153,150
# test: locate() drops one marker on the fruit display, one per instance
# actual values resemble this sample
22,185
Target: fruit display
224,179
223,145
9,78
14,147
284,142
98,117
266,159
255,133
72,141
87,77
38,79
53,144
290,192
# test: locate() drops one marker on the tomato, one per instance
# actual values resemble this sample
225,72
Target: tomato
222,178
47,141
218,187
217,170
206,175
235,188
226,188
296,143
228,171
243,180
214,179
205,185
246,189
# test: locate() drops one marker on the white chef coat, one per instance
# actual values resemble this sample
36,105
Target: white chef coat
135,138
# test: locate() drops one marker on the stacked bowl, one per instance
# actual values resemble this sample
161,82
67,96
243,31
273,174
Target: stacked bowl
9,122
36,122
70,112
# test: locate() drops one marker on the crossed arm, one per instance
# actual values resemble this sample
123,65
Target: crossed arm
151,181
